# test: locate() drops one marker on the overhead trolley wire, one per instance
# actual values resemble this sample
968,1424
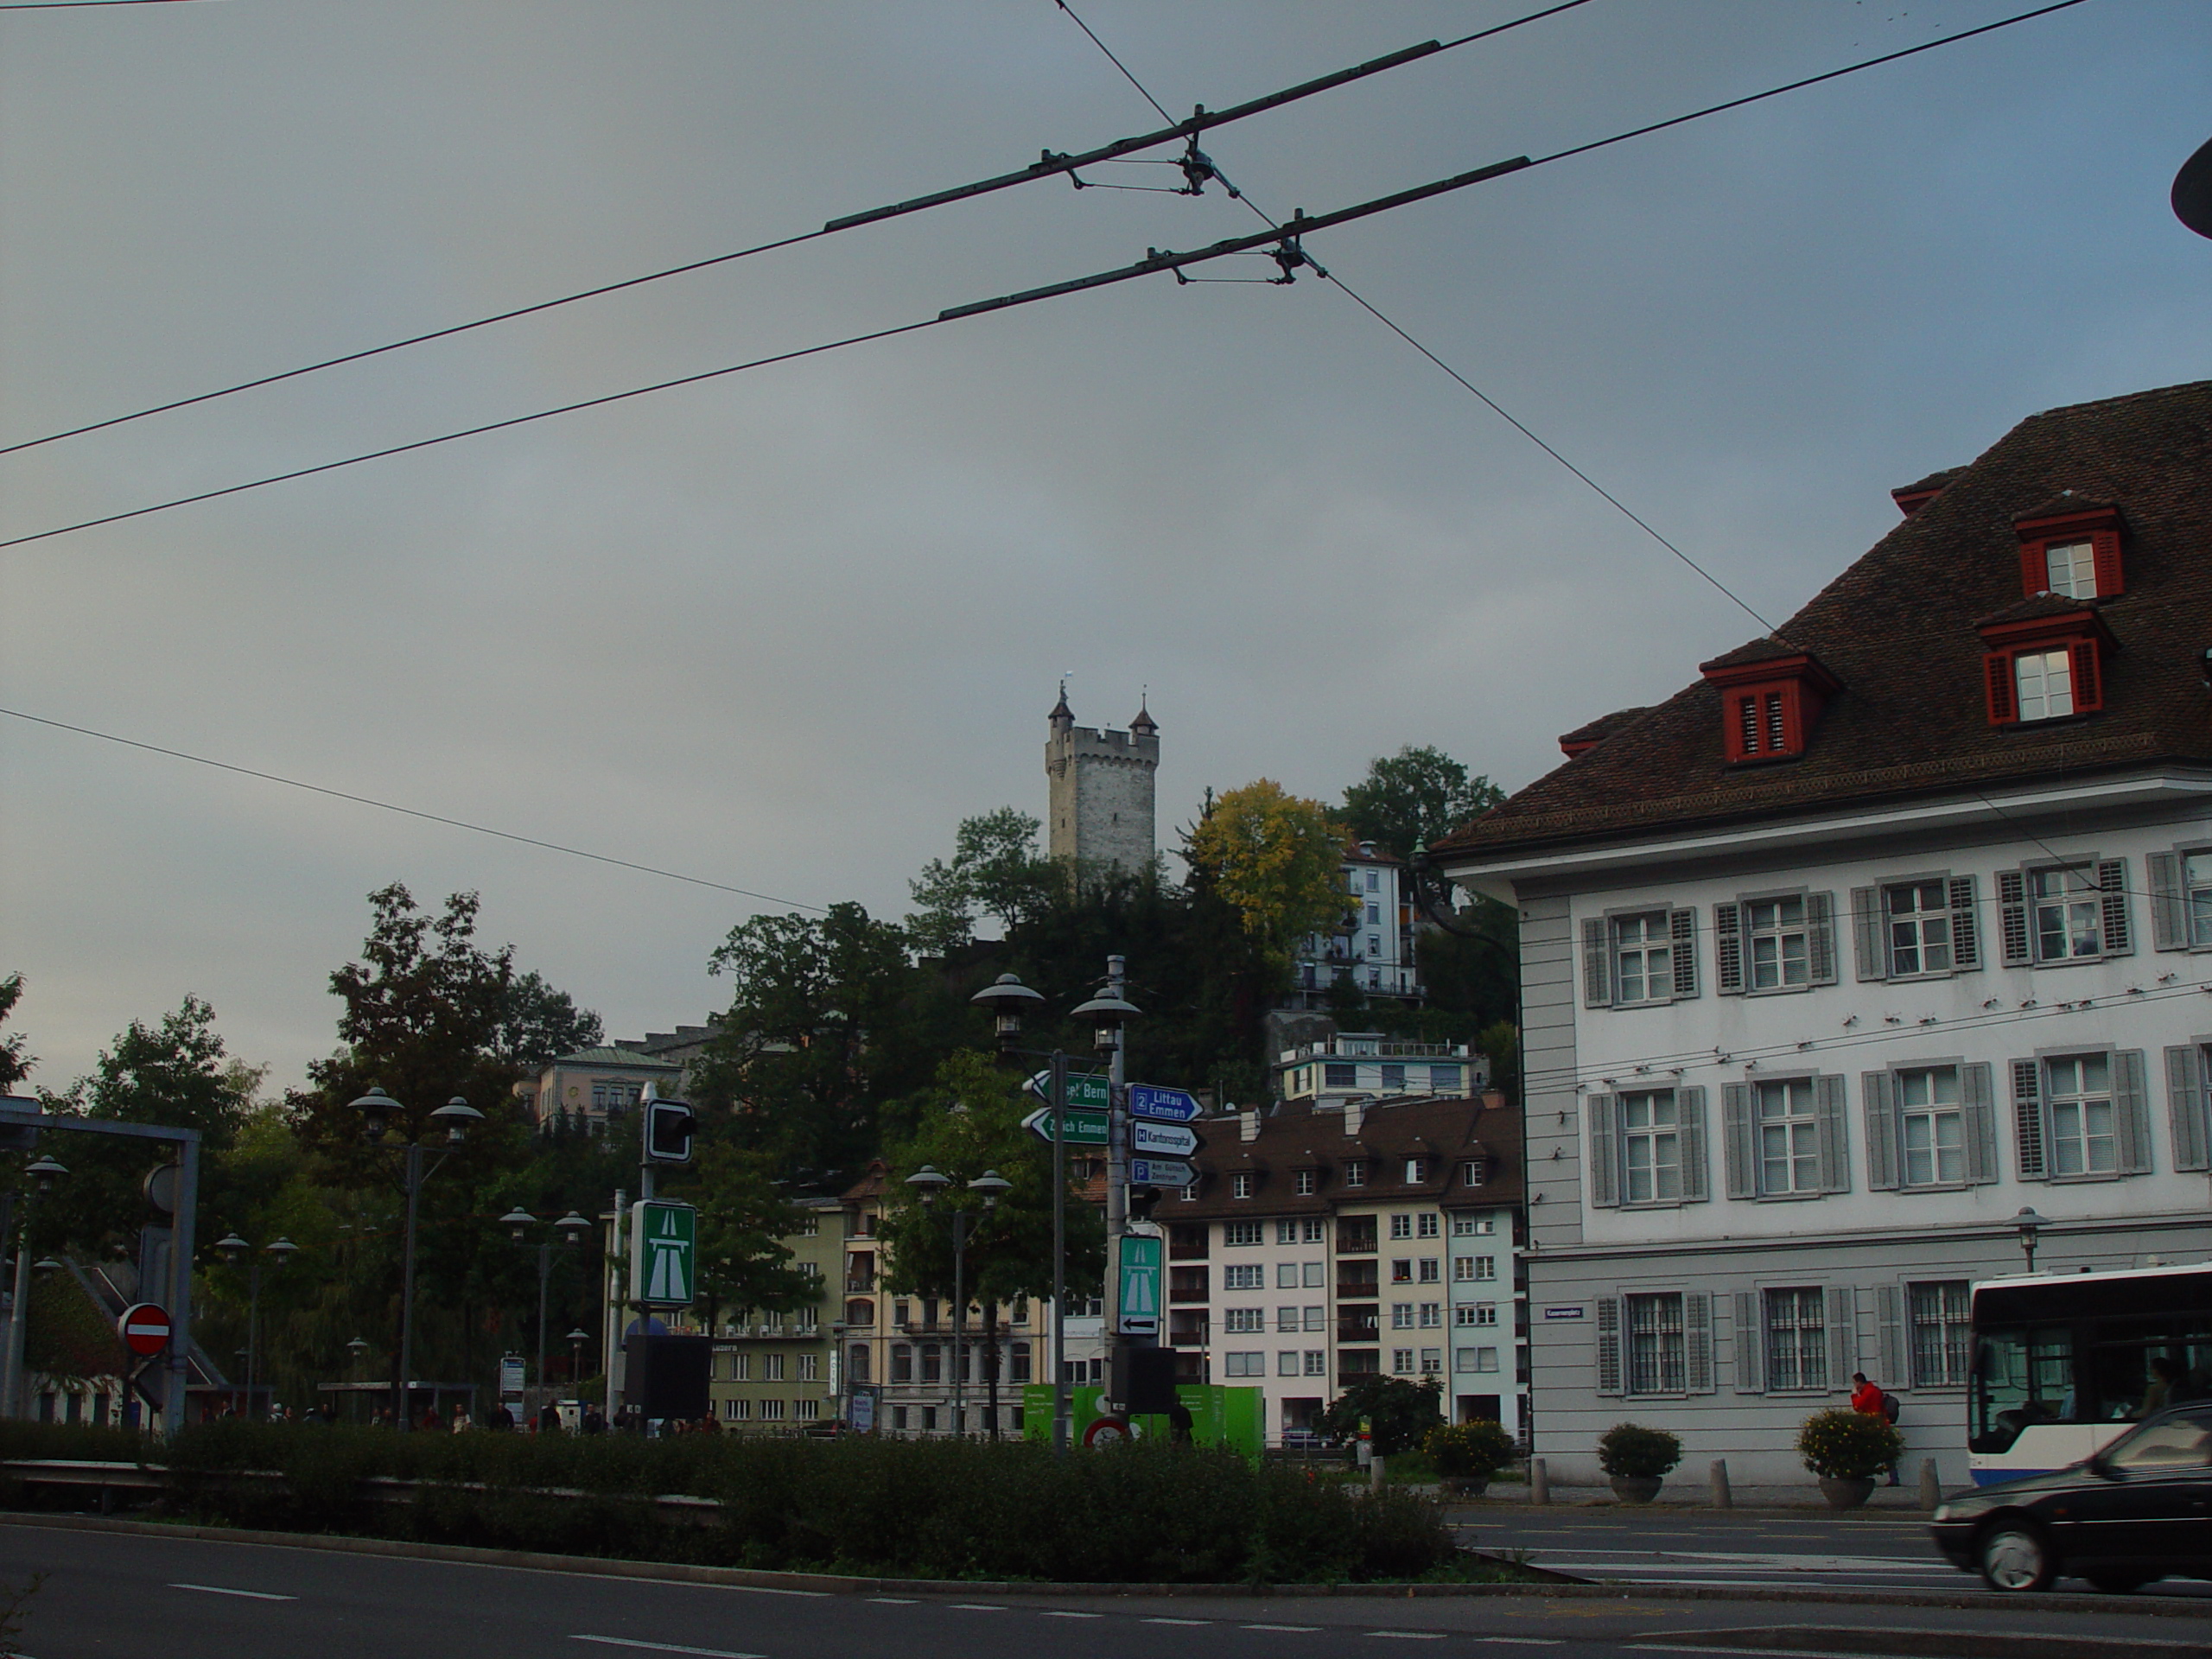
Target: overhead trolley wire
1155,261
1050,164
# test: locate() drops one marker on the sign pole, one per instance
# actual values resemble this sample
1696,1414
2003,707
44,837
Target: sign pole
1117,1156
1059,1105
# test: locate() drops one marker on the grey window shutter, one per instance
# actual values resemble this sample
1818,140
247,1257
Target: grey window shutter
1597,963
1879,1092
2168,928
1728,949
2112,876
1604,1113
1868,955
1966,924
2185,1106
1843,1335
1820,937
1608,1345
1736,1127
1697,1340
2027,1118
2131,1107
1834,1135
1978,1107
1690,1106
1681,926
1750,1346
2012,916
1889,1318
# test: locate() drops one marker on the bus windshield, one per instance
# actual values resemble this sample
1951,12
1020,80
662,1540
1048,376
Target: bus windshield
2085,1370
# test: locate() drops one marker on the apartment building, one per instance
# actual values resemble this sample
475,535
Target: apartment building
1367,1063
595,1088
1374,948
778,1370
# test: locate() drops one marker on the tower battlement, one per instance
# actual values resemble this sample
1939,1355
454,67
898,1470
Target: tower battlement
1100,784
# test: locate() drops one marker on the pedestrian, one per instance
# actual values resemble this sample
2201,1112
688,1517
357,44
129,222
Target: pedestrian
1869,1400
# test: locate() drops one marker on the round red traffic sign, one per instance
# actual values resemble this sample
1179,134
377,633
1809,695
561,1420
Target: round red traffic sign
144,1328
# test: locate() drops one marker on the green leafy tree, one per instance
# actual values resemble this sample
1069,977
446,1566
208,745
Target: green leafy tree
537,1024
1415,798
1401,1411
15,1064
995,869
743,1220
1277,859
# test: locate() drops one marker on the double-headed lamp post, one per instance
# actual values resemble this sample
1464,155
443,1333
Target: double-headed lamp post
234,1250
571,1228
930,1181
377,1112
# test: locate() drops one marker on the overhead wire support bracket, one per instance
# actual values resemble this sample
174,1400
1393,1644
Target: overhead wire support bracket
1157,259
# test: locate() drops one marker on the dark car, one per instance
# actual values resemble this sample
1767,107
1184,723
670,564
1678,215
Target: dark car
2139,1509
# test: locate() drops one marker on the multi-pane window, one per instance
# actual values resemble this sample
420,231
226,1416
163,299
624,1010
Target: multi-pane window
1427,1226
1334,1076
1485,1312
1432,1315
1311,1230
2081,1136
2196,896
2073,568
1942,1336
1463,1267
1796,1339
2042,682
1244,1276
1643,958
2067,911
1432,1360
1656,1359
1432,1270
1286,1232
1401,1316
1244,1318
1306,1182
1316,1361
1789,1132
1931,1127
1240,1187
775,1368
1401,1226
1780,951
1240,1232
1355,1170
1401,1362
1920,928
1246,1364
1486,1268
1651,1147
1286,1318
810,1368
1464,1314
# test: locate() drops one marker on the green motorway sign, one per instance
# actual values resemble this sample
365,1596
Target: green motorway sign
1077,1129
1138,1304
664,1254
1086,1094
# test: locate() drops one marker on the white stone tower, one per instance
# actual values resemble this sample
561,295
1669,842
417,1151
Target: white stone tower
1099,814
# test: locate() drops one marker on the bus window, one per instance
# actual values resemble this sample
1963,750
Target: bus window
2020,1376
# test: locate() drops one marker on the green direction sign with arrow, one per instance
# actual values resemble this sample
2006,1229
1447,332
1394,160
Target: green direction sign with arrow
1078,1129
1084,1094
1137,1308
664,1254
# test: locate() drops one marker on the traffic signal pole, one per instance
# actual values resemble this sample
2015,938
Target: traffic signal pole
1059,1102
1117,1164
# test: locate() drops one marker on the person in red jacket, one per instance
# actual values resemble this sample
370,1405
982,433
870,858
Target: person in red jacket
1865,1396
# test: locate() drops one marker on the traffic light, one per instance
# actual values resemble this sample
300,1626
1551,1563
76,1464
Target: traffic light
669,1127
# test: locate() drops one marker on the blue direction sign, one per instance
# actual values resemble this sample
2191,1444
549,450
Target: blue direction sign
1161,1140
1162,1105
1160,1171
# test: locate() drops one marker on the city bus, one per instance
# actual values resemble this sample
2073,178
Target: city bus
2063,1362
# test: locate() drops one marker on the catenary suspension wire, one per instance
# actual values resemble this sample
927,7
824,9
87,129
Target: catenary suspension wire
412,812
1051,164
1154,262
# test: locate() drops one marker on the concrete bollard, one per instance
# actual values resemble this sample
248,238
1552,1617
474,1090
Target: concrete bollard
1375,1474
1722,1498
1931,1488
1539,1484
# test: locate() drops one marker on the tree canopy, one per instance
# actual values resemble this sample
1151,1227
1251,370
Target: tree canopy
1415,798
1277,859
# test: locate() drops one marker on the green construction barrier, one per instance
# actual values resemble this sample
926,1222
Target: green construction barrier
1219,1415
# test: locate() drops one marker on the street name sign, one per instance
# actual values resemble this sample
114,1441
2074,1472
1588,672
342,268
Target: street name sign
1162,1140
1162,1105
144,1328
1085,1094
1137,1308
1077,1129
1160,1171
664,1254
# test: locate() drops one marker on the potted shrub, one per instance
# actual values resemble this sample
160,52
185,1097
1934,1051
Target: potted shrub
1638,1459
1846,1449
1467,1454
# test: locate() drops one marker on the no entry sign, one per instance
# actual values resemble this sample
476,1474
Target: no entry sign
144,1328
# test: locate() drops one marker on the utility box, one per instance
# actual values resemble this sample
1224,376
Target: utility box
667,1377
1144,1380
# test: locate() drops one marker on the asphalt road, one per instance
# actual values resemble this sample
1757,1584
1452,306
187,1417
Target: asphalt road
1736,1548
160,1597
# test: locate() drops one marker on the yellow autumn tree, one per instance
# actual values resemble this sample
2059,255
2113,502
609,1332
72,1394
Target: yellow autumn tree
1277,859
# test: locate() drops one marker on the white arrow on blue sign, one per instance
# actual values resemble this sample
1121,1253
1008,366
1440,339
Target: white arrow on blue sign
1162,1105
1160,1171
1162,1140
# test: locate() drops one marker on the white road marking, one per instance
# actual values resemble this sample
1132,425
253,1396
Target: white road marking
663,1647
895,1601
1301,1628
1526,1641
1052,1612
1179,1621
1411,1636
220,1590
976,1607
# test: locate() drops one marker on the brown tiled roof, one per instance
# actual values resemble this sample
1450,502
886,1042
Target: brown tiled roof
1935,480
1897,629
1294,1137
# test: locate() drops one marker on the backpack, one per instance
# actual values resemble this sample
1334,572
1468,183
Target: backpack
1891,1406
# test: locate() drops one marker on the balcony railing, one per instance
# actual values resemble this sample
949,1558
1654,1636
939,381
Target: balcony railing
1178,1294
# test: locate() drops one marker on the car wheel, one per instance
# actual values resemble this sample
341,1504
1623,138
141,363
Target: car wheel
2118,1584
2016,1556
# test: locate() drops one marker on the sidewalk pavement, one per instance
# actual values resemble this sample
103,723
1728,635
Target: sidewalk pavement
1696,1495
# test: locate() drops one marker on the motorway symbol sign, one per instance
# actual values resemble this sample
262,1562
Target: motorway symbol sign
1137,1308
1162,1105
1077,1129
144,1328
1089,1094
663,1253
1162,1140
1160,1171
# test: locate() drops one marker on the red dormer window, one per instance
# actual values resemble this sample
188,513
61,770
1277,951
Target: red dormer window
1770,704
2046,664
2070,547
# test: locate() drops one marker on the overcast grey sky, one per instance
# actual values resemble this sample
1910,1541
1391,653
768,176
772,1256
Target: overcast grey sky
784,630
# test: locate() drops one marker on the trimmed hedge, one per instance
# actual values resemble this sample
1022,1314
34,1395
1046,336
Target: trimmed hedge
1151,1512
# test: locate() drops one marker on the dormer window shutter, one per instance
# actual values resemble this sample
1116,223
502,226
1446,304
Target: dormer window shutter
2034,569
2106,543
1998,667
2088,690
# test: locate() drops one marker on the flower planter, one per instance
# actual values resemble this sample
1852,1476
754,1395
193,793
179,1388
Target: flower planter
1845,1493
1465,1485
1637,1489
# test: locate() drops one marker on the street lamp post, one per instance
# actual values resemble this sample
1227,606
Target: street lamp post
990,1184
12,1404
2030,1224
378,1109
235,1249
576,1339
571,1228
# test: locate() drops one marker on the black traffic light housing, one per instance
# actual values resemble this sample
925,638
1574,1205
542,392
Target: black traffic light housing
670,1126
